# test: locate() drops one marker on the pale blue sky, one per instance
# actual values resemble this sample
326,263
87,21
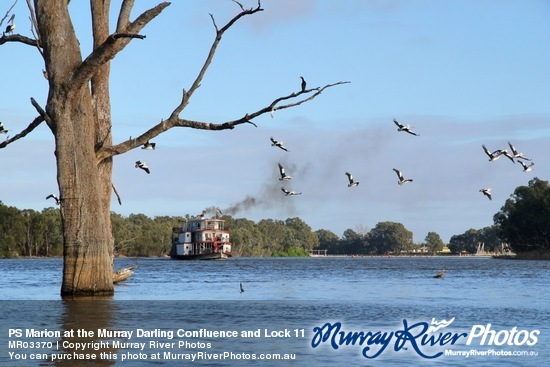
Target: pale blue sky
463,73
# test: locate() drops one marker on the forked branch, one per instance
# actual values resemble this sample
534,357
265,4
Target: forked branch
33,125
15,37
115,42
219,33
175,121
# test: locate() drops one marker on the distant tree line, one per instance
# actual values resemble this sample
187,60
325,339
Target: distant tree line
522,224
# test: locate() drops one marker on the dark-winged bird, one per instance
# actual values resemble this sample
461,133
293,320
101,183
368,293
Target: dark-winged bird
351,183
405,128
143,166
11,27
526,168
516,154
290,193
493,156
284,176
242,289
441,274
304,84
487,192
278,144
149,146
52,196
402,180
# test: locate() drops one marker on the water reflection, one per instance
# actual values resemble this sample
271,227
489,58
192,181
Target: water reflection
83,319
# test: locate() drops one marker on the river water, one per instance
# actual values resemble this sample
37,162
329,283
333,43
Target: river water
293,312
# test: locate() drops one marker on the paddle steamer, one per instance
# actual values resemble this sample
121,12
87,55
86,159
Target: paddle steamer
201,239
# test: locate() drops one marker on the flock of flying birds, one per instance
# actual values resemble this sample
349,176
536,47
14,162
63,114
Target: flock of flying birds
513,156
351,181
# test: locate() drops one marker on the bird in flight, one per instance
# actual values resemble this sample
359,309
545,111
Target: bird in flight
516,154
52,196
402,180
487,192
493,156
279,144
290,193
143,166
2,129
351,183
284,176
149,146
242,289
441,274
526,168
405,128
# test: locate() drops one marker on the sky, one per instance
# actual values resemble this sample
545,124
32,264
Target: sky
462,73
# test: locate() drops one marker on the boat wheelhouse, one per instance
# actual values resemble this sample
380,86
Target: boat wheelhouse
201,239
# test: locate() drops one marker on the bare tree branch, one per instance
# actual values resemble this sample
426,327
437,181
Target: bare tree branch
116,193
8,12
43,114
124,15
127,35
112,46
37,121
34,26
18,38
219,34
15,37
175,121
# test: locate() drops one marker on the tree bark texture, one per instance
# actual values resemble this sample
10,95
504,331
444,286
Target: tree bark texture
78,112
78,118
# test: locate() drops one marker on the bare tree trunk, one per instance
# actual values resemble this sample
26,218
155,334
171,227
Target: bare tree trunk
85,214
78,111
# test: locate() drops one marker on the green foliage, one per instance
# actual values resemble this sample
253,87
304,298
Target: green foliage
390,237
524,220
465,242
30,233
470,240
291,252
385,237
434,242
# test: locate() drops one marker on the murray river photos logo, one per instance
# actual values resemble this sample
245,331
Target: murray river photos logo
426,339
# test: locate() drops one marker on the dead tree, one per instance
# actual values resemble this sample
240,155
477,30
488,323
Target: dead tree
78,113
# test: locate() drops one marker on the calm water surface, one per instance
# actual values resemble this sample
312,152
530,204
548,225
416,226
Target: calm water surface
364,294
